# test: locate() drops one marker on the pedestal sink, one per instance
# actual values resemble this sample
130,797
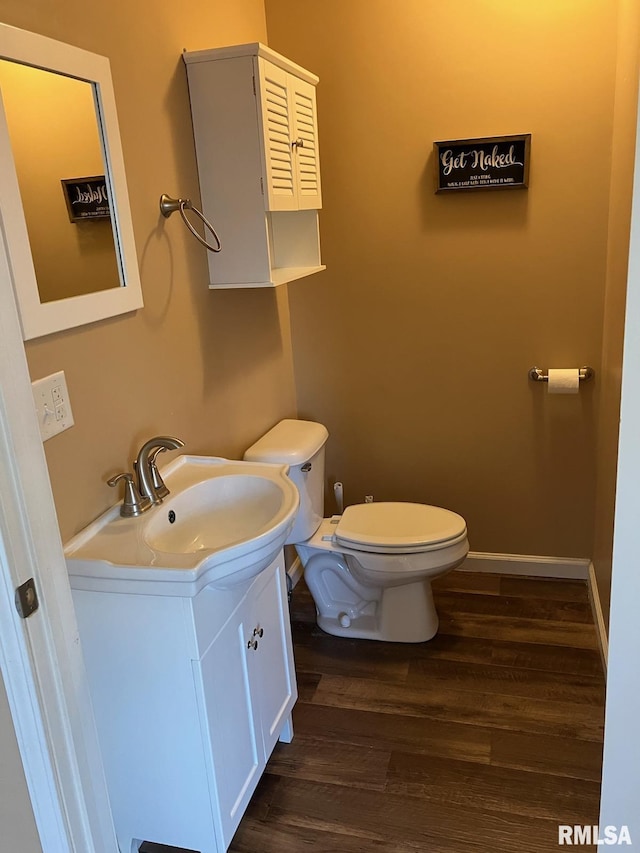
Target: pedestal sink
222,524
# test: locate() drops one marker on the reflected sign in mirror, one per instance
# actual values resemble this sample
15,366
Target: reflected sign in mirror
57,121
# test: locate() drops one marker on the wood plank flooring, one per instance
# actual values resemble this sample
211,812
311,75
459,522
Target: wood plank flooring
483,739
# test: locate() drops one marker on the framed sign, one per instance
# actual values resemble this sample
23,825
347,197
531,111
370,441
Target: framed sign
86,198
492,163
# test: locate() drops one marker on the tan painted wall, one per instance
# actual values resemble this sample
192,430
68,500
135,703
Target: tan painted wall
624,130
211,368
414,346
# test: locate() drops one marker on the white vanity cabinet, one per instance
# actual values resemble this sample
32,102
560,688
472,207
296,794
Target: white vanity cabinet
190,696
250,665
256,135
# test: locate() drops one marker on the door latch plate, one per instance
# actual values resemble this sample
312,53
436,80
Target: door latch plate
26,598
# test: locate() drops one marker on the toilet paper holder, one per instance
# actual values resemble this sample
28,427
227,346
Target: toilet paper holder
584,374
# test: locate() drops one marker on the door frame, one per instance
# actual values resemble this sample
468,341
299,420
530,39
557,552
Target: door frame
40,656
621,762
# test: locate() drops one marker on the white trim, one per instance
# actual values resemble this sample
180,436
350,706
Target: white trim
569,568
523,564
620,790
598,616
41,658
295,571
16,668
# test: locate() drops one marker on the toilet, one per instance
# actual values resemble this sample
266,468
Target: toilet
370,569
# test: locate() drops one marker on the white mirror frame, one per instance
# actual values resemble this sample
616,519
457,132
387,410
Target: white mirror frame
44,318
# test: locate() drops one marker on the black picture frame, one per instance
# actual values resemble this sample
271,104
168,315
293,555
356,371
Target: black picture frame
86,198
487,163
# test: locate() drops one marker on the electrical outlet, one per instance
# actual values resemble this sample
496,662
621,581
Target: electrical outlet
53,406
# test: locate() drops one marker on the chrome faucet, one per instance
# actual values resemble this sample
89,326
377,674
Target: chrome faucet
132,504
150,483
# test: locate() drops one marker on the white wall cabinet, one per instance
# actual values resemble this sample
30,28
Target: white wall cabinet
190,696
256,135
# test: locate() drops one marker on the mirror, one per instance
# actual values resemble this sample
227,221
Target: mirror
64,204
68,235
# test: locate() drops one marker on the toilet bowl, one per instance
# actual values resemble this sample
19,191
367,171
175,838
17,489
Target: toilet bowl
370,569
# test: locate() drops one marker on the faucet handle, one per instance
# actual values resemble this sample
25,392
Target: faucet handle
133,504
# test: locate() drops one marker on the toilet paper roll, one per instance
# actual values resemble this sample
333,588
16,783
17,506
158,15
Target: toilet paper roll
564,380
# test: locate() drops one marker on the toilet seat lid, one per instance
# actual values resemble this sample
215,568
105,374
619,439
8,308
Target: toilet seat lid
399,527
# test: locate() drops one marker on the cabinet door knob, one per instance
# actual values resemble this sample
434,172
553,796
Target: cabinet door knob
258,632
298,143
252,644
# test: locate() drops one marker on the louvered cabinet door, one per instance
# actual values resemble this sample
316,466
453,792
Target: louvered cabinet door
290,139
302,96
255,128
277,129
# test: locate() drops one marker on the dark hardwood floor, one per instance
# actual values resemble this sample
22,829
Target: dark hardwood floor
483,739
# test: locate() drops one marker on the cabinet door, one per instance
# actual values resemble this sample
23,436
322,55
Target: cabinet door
306,161
273,673
235,743
277,134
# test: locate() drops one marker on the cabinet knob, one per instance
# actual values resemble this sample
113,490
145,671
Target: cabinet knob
252,644
258,632
298,143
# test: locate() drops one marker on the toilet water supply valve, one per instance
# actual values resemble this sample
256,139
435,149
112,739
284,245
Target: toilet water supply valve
338,492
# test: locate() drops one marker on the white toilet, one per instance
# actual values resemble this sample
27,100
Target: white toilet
370,569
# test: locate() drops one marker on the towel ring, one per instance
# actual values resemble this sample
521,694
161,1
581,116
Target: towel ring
169,205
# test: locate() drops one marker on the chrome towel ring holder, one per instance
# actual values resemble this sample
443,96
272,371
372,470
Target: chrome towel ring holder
169,205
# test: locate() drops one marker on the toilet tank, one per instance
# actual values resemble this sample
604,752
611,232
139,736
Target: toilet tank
300,445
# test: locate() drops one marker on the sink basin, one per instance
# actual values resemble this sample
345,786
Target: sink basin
217,513
223,523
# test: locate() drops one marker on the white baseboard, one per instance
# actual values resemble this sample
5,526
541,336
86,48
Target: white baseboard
523,564
295,571
506,564
598,616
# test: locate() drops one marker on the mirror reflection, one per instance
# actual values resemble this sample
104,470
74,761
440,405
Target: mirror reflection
58,153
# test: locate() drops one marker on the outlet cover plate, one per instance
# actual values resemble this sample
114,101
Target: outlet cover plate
53,406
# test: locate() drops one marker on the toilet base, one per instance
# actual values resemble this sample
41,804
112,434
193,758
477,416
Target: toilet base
349,605
403,614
